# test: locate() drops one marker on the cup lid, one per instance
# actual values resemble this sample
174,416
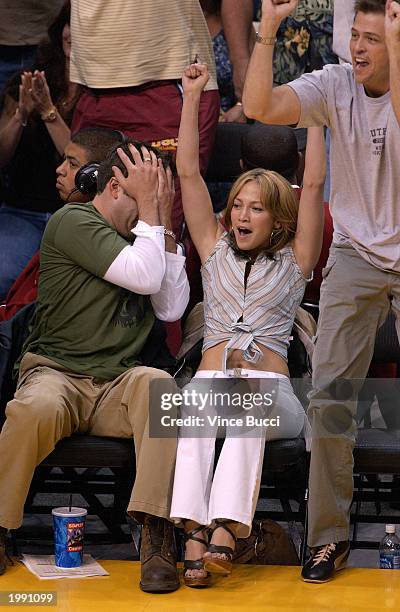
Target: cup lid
69,512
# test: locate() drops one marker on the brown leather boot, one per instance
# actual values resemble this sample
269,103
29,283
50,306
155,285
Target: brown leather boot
4,558
157,556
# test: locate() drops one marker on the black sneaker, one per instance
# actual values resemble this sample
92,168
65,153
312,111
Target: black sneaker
325,561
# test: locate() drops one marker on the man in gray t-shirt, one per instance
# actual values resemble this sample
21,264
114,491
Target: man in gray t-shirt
360,103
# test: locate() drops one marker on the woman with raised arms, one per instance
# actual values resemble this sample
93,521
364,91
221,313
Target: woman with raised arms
254,273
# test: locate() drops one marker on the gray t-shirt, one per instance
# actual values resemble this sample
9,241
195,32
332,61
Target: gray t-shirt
365,161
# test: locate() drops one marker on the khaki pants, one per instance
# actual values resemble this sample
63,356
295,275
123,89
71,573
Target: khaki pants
52,403
355,300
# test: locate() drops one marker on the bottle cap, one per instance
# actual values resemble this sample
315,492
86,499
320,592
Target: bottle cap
390,528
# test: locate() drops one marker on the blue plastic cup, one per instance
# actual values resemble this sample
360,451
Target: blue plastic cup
69,528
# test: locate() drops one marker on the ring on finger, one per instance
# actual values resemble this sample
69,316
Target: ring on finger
147,159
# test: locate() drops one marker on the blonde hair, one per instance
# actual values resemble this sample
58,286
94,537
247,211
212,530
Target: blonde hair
276,196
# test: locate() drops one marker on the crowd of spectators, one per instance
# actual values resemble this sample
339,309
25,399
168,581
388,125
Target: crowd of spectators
90,114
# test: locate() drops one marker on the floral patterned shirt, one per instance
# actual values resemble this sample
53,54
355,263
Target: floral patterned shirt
306,9
304,41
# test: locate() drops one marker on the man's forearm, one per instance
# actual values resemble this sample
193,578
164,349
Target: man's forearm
260,101
237,21
170,302
140,267
148,210
170,244
165,220
257,96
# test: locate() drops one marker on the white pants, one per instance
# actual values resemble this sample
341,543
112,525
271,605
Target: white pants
233,492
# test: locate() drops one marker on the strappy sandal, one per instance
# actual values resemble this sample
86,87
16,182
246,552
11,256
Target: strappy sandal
220,566
198,564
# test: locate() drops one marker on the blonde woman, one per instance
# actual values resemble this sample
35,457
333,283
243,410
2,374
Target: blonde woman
254,274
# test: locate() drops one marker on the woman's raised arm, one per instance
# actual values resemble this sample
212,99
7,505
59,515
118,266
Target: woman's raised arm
310,223
197,207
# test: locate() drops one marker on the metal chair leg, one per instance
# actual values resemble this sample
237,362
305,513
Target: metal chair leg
303,549
355,525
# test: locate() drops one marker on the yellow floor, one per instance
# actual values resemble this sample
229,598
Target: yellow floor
258,588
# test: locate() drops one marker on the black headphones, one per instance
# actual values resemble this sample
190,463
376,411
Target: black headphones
86,177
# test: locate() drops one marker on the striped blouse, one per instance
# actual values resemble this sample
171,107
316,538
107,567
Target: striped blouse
263,313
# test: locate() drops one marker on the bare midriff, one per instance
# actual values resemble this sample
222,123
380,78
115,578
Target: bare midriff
270,361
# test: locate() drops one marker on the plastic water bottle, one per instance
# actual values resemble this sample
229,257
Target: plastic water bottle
389,549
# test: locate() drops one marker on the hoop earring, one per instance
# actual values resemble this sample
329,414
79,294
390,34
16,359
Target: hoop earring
271,238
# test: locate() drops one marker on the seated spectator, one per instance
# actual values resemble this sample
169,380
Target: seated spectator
252,146
107,268
273,147
255,270
86,147
35,113
86,150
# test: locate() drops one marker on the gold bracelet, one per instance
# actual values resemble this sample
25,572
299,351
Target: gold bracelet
265,40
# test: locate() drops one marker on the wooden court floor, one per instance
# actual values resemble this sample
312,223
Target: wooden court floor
258,588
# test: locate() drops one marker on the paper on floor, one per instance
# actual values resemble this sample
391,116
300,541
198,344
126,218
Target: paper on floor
44,567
